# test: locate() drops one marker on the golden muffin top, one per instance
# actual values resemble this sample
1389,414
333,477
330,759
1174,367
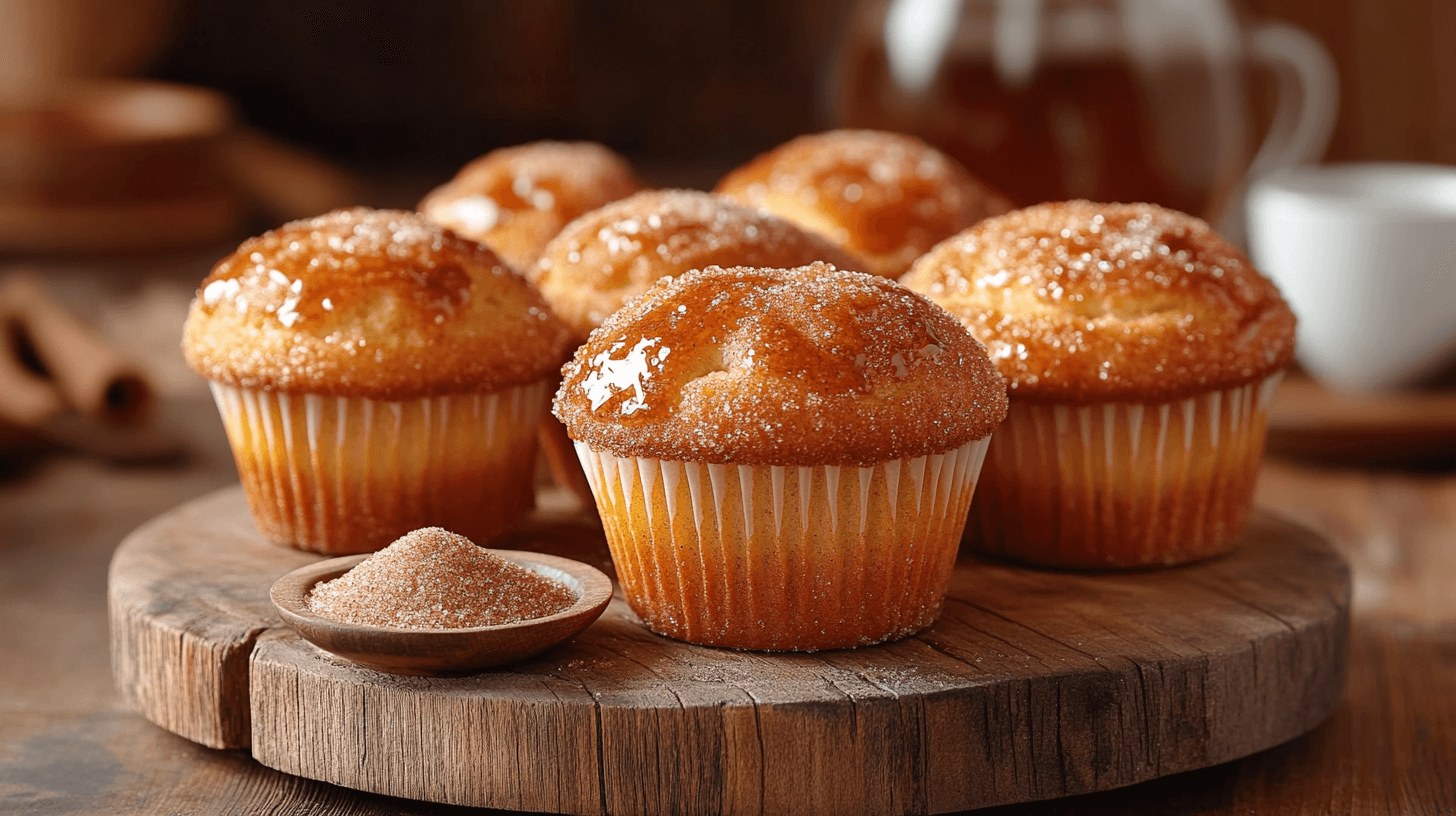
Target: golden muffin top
381,304
884,196
1084,303
805,366
515,199
613,254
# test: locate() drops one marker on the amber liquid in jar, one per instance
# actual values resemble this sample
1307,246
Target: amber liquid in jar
1076,128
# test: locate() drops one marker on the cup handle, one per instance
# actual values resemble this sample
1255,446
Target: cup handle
1309,98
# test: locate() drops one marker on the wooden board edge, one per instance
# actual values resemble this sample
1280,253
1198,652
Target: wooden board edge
749,737
161,667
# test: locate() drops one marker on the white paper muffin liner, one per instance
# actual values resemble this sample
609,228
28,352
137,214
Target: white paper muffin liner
779,558
349,475
1119,484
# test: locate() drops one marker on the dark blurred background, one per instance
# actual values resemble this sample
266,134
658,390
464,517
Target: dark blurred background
400,83
425,86
404,92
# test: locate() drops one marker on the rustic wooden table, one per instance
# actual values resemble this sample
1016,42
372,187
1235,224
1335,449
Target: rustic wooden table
67,745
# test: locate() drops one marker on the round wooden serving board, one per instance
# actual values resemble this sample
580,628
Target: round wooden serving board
1033,684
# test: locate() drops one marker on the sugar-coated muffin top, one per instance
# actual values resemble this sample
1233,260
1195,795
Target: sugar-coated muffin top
515,199
885,196
1084,303
381,304
611,255
806,366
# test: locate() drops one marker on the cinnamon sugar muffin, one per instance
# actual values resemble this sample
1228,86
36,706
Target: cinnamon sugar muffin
376,373
1142,351
886,197
611,255
515,199
782,458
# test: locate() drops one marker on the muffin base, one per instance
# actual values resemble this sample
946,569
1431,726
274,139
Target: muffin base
784,558
1120,485
343,475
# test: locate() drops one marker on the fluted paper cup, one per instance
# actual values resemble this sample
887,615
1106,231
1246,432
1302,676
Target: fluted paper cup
1122,485
784,558
342,475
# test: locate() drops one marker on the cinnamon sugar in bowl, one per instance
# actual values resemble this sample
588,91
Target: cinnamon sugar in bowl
782,459
435,603
434,579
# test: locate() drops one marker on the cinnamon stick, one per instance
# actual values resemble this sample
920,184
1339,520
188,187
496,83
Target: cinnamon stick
26,397
70,365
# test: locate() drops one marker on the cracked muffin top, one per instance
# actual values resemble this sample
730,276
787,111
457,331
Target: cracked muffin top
516,199
1083,303
614,254
886,197
381,304
804,366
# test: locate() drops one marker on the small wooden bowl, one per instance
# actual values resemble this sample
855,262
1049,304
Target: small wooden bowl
443,651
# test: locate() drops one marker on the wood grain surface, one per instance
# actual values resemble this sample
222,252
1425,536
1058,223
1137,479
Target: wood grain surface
1032,685
180,650
69,744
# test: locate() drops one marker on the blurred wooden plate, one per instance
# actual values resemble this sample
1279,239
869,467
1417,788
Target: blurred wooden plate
1310,421
117,165
128,227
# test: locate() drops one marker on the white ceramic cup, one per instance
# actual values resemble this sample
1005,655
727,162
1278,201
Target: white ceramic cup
1366,256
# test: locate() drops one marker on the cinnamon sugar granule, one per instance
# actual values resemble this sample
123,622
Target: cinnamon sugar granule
434,579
